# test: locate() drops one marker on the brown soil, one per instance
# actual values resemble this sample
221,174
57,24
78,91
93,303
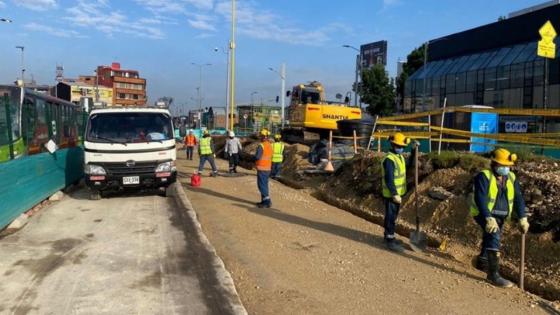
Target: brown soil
305,256
355,187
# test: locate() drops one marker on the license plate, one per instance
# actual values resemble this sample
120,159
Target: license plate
131,180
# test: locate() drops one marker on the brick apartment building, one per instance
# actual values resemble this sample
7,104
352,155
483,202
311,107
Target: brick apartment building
128,88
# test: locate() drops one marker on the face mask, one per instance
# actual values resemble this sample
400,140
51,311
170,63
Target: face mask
502,171
399,150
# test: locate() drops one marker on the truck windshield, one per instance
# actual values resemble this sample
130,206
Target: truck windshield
129,127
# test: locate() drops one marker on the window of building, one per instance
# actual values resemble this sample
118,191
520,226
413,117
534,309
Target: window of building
135,96
122,95
503,77
517,76
460,82
538,72
490,79
471,81
512,54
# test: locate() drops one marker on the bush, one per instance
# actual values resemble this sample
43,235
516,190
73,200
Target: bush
467,161
447,159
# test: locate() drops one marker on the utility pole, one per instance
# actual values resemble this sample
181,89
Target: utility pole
96,85
22,48
232,66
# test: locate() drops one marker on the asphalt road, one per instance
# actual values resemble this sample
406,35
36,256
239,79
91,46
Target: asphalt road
136,254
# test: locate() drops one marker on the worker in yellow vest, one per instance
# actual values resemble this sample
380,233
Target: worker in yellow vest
206,153
393,170
263,159
277,156
496,194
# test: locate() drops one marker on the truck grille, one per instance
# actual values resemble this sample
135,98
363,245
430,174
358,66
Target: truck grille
121,169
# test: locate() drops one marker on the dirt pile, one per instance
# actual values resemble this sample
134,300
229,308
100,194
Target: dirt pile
356,187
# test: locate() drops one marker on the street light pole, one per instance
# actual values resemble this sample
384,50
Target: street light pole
96,86
232,65
424,75
282,74
252,100
358,72
199,88
22,48
226,51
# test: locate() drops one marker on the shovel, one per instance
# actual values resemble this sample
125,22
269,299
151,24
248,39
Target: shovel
417,238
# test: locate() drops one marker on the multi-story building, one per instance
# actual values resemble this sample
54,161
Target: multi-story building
129,89
493,65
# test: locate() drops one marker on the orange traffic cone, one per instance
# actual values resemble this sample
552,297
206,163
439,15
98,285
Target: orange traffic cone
329,167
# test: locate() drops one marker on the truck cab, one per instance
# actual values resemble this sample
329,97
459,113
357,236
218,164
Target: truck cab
129,149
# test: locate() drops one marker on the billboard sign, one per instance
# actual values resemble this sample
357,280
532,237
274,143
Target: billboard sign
516,126
374,53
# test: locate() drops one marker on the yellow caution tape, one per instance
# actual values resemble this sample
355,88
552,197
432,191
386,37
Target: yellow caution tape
500,137
402,123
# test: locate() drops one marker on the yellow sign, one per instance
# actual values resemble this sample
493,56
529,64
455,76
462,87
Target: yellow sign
547,47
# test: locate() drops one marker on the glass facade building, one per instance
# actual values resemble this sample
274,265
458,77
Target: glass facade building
494,65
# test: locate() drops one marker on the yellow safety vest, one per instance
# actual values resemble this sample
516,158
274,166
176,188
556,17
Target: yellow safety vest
205,148
399,175
277,152
493,193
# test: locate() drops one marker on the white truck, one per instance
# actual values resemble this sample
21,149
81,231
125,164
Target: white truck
129,148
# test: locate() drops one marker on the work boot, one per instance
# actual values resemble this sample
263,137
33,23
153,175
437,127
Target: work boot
214,174
394,246
494,273
482,262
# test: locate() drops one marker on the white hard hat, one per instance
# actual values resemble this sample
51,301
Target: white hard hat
231,134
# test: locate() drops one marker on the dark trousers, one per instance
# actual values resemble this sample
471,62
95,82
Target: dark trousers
233,161
276,167
262,184
209,158
391,214
490,241
190,153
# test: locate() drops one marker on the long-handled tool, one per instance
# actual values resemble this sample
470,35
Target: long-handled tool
522,265
418,239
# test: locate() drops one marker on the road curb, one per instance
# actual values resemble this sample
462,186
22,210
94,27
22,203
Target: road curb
223,275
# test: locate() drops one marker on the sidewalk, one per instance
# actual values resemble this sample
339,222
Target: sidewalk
303,256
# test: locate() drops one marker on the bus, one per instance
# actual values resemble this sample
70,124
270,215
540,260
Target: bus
29,172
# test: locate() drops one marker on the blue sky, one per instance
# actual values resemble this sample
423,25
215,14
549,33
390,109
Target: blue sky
161,38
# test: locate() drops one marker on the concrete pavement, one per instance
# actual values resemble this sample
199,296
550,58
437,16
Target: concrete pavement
140,254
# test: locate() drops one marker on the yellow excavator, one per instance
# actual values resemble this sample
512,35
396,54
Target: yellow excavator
311,117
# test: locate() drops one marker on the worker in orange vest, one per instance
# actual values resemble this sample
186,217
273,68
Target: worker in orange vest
263,159
190,142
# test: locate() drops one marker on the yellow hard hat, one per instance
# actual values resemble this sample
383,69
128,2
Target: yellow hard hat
265,133
399,139
504,157
205,132
277,136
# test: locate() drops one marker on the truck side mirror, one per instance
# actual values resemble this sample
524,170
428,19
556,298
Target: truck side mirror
277,99
288,93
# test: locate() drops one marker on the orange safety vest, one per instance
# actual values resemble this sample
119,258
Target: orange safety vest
190,140
265,162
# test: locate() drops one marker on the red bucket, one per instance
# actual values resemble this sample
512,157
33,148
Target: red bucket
196,180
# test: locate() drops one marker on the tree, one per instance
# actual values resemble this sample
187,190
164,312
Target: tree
414,61
377,91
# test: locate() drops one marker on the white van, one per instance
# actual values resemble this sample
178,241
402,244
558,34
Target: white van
129,148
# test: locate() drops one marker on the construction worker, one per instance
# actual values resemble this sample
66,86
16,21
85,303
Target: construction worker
232,149
206,153
190,142
277,156
394,185
263,159
496,194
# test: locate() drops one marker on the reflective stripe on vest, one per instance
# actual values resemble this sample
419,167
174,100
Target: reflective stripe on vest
265,162
399,175
277,152
190,140
205,147
493,194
